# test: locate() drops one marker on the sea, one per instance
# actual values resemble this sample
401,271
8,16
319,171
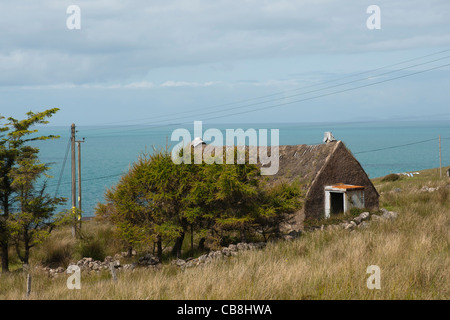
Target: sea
108,151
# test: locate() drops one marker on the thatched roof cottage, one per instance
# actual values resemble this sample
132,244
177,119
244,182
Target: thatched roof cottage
334,181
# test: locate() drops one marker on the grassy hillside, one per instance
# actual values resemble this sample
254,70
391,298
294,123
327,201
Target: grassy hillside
411,251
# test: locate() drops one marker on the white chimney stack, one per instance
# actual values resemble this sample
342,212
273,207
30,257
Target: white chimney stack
197,141
328,137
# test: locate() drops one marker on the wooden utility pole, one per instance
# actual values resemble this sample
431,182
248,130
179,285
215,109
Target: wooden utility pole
440,158
79,179
79,175
74,178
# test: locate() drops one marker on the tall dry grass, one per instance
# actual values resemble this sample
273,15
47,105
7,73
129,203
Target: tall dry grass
412,253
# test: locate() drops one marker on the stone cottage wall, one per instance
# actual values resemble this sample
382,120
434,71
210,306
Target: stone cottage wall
341,167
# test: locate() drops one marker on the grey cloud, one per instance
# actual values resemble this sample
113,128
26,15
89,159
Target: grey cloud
127,39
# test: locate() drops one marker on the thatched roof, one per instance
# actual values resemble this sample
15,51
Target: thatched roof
303,162
296,162
313,166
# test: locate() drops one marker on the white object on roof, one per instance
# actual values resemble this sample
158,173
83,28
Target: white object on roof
197,141
328,137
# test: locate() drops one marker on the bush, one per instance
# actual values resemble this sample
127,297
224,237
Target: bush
391,177
57,253
354,212
91,248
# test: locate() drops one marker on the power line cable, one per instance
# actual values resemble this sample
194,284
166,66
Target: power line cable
330,87
311,98
328,94
62,168
359,152
105,177
284,92
99,178
315,97
394,147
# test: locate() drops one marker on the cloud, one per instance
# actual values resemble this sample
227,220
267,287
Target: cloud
140,85
171,83
102,86
123,40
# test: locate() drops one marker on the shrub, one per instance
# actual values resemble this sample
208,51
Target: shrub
57,253
391,177
91,247
357,211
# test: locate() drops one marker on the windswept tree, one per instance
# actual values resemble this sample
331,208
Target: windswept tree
15,136
275,204
234,198
159,200
126,208
147,205
32,218
225,196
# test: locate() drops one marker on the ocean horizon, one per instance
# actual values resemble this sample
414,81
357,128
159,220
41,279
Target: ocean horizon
382,147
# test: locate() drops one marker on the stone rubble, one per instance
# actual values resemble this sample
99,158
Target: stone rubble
361,221
226,252
90,265
428,189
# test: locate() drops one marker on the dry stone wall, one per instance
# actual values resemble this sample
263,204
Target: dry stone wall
149,261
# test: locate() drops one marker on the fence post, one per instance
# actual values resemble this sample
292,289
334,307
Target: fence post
113,271
28,285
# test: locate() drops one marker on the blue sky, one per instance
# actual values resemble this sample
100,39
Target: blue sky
156,62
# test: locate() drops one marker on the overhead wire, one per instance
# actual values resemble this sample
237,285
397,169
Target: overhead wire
332,93
395,147
301,100
285,91
62,168
355,153
100,178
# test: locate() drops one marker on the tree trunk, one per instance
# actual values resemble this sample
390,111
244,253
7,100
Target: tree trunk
201,244
26,256
263,232
5,258
4,237
130,252
27,248
192,240
176,250
159,245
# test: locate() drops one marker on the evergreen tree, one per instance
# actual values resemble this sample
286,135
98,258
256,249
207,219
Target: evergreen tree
32,219
159,200
14,136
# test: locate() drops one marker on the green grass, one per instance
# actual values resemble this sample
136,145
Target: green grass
97,241
334,219
411,251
